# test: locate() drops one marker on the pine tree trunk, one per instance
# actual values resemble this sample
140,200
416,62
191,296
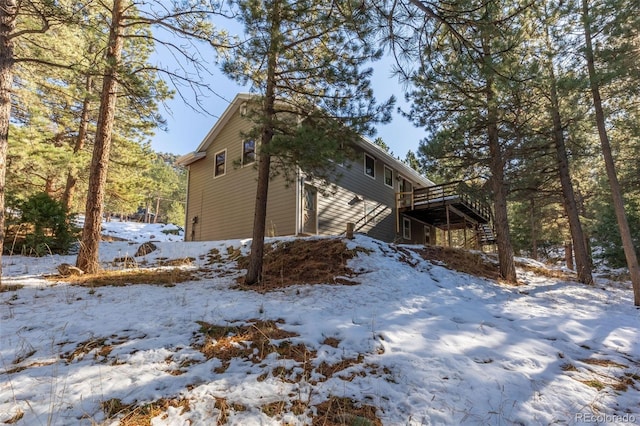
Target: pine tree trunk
254,270
88,255
582,257
503,239
534,229
614,184
8,11
155,217
69,190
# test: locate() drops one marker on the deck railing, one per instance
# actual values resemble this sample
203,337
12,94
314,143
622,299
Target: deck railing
451,191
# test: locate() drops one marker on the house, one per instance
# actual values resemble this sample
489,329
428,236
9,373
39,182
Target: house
377,193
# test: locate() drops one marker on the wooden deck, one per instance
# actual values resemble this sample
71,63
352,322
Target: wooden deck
448,206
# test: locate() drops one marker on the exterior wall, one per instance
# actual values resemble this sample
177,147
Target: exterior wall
419,234
356,195
224,205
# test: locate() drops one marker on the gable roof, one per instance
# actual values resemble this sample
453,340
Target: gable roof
364,143
201,151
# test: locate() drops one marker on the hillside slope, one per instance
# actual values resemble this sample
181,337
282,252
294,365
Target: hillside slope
392,339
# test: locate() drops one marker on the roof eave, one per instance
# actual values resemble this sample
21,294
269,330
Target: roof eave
190,158
397,164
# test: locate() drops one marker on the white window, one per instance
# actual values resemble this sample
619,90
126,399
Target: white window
404,185
370,213
248,152
369,166
388,176
406,228
220,163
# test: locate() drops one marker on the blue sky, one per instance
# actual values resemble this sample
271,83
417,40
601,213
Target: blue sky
187,128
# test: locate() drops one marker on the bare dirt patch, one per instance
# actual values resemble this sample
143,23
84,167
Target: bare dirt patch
304,261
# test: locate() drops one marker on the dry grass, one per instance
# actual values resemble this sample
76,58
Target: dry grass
546,272
226,408
331,341
184,261
301,261
344,411
601,377
166,277
332,412
461,260
475,263
594,383
140,415
83,348
329,370
11,287
257,340
254,342
603,363
16,417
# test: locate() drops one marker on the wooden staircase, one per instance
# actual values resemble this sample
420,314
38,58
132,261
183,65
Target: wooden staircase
485,234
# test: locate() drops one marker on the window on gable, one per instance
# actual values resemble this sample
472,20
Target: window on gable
248,152
388,176
369,166
221,163
406,228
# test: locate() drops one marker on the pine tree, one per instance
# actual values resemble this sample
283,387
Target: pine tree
304,59
595,80
8,12
88,253
580,246
128,23
46,13
468,63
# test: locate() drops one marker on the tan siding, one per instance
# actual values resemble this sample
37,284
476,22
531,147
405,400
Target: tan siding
224,205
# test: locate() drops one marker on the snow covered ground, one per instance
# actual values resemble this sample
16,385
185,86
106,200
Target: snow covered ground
421,343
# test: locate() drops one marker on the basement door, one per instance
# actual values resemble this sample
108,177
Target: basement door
310,213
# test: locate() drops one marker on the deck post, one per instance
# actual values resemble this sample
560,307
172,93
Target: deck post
397,213
350,227
464,223
448,227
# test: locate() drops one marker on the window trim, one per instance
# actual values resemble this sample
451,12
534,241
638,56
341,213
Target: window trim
401,180
255,154
385,176
406,228
427,234
370,218
215,164
373,169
